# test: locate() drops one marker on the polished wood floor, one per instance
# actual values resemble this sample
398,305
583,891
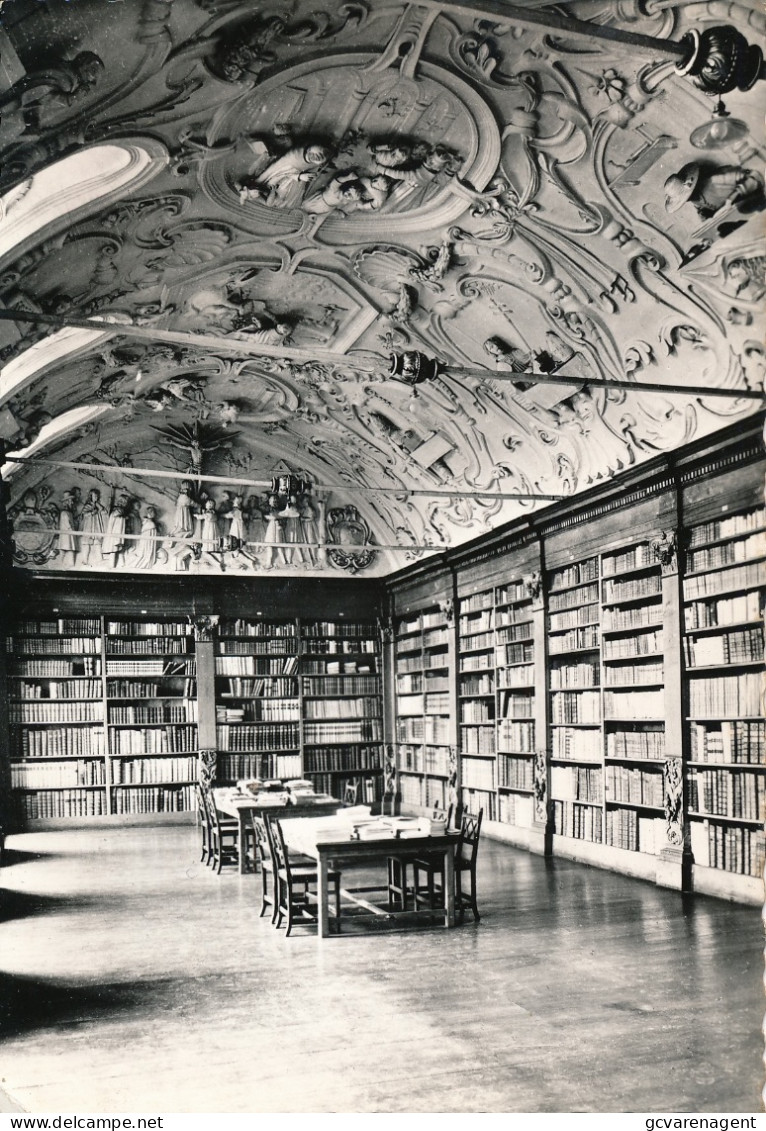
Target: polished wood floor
132,979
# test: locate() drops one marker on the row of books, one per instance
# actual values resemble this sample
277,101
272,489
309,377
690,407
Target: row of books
146,667
638,787
636,705
477,711
584,615
728,794
730,848
479,642
56,711
515,705
633,588
410,790
276,686
628,620
167,739
516,809
728,553
409,684
629,830
476,685
723,696
514,654
55,645
251,737
147,628
324,628
576,707
477,740
505,617
729,648
515,773
635,558
470,625
241,627
584,674
63,626
636,744
252,666
432,728
477,601
575,574
259,711
523,676
726,610
59,742
152,646
574,641
515,736
361,730
729,527
577,783
341,685
361,707
511,592
336,759
138,771
572,598
141,689
573,745
435,638
623,647
334,785
730,742
65,803
729,577
42,669
155,799
477,773
514,633
475,799
581,822
410,758
432,619
273,646
57,689
57,775
337,667
319,647
635,673
437,702
478,662
236,767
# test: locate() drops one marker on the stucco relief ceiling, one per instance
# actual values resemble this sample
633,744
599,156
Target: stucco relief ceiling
307,192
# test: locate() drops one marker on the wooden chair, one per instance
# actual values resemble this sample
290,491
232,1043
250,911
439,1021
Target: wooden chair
351,793
428,873
263,861
204,822
294,898
223,843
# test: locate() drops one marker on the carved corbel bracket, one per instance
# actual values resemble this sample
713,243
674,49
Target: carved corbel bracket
208,765
533,586
672,780
540,785
204,626
666,551
447,608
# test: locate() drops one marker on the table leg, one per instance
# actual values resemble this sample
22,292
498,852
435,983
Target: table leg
449,887
323,897
242,839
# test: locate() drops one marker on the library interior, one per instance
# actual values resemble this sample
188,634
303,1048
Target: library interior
383,540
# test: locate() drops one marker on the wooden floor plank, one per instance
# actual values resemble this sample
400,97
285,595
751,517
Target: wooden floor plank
579,990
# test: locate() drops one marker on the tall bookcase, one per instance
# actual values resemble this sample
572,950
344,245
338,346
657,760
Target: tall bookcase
576,776
477,702
632,681
517,726
422,675
342,737
150,695
57,749
257,699
723,592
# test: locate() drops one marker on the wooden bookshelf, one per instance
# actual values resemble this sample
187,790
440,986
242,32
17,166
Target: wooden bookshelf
477,702
342,707
723,654
517,727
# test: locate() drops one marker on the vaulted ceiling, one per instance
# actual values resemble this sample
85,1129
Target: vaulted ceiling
262,203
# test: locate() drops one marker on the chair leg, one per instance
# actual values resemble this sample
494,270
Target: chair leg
474,906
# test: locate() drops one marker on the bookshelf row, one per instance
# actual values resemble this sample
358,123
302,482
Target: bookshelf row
107,716
588,673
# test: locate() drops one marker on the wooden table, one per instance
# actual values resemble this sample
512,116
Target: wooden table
241,808
330,845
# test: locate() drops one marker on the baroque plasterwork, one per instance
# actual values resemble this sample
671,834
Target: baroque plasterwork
346,184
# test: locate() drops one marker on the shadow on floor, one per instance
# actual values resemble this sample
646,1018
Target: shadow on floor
13,856
29,1004
24,905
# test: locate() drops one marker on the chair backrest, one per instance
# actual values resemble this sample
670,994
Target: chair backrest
468,845
263,849
278,847
212,812
201,803
350,793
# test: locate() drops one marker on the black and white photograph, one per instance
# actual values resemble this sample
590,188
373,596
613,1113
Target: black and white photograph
383,552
